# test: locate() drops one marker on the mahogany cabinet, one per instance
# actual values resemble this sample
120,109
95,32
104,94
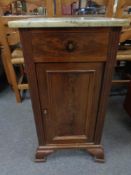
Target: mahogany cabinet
69,72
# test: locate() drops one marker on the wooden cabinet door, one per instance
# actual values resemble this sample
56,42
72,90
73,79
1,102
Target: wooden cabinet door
69,95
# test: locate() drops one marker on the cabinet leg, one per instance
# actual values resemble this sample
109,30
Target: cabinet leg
41,155
97,153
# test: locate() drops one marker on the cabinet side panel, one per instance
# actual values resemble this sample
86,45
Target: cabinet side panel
107,80
26,40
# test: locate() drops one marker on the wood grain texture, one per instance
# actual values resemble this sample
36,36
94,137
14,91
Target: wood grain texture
107,81
31,73
96,151
69,97
50,8
120,8
69,93
74,46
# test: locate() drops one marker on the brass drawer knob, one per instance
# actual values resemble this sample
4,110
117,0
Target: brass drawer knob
45,112
70,47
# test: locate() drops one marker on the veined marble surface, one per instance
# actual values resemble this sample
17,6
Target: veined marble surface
68,22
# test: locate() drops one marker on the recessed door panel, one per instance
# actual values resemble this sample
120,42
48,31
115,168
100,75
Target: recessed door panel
69,96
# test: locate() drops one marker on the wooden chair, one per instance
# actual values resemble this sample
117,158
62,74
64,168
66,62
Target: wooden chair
60,3
124,52
11,59
121,13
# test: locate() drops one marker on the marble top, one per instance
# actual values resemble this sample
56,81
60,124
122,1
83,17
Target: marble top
68,22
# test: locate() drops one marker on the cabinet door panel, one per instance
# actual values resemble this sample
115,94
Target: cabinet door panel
69,96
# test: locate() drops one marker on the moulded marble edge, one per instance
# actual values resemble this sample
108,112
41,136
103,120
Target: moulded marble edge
68,22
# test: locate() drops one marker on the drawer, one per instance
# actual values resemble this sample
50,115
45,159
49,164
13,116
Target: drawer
70,46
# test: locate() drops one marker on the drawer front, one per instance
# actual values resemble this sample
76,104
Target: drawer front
70,46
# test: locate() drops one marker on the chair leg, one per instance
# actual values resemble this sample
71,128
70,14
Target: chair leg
6,70
16,90
17,95
14,84
22,69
